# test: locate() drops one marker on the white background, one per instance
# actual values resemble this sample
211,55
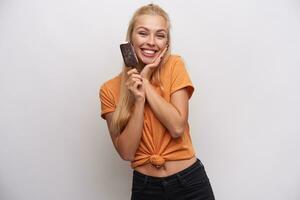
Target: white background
243,57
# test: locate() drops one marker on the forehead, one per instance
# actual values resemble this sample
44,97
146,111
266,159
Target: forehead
151,22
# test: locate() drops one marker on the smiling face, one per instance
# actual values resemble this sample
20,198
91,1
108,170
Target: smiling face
149,37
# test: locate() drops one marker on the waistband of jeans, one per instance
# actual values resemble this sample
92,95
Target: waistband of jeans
185,172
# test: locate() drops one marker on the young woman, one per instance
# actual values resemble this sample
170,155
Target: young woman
146,110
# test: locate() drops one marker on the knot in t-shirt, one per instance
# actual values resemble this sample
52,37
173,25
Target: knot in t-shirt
157,160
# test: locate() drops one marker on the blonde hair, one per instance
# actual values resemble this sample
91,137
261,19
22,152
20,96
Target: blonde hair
126,102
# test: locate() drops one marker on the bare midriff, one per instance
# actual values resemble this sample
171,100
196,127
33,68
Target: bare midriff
169,167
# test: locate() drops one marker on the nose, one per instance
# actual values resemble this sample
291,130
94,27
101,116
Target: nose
151,40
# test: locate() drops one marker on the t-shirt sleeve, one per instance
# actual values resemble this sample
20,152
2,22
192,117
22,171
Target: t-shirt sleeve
180,78
107,101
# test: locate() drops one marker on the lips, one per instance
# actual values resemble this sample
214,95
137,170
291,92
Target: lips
148,52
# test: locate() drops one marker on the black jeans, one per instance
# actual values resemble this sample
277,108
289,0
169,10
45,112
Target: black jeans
191,183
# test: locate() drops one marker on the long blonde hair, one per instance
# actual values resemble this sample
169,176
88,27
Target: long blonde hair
126,102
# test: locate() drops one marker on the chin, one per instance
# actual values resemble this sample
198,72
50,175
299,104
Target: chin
147,61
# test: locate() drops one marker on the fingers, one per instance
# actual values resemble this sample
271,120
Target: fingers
164,51
132,71
159,58
134,79
133,74
136,87
161,55
137,84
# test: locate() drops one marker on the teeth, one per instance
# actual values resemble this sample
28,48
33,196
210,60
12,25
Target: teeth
148,51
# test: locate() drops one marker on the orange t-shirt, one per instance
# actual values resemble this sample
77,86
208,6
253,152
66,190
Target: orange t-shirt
156,145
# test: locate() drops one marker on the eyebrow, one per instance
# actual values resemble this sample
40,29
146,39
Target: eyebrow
159,30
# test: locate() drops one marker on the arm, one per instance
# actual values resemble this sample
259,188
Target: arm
128,141
173,115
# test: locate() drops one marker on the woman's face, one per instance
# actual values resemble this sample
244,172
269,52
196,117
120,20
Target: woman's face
149,37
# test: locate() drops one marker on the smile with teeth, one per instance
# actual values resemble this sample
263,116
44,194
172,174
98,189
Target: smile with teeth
148,52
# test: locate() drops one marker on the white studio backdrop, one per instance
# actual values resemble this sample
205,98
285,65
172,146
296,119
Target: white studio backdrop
243,57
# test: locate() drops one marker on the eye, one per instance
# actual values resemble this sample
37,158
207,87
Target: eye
161,36
142,33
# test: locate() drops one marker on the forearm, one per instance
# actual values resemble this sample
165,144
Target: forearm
166,113
129,140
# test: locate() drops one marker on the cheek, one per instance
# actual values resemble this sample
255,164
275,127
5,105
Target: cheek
138,40
161,43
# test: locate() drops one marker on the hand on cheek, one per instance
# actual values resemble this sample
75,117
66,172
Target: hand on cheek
149,68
